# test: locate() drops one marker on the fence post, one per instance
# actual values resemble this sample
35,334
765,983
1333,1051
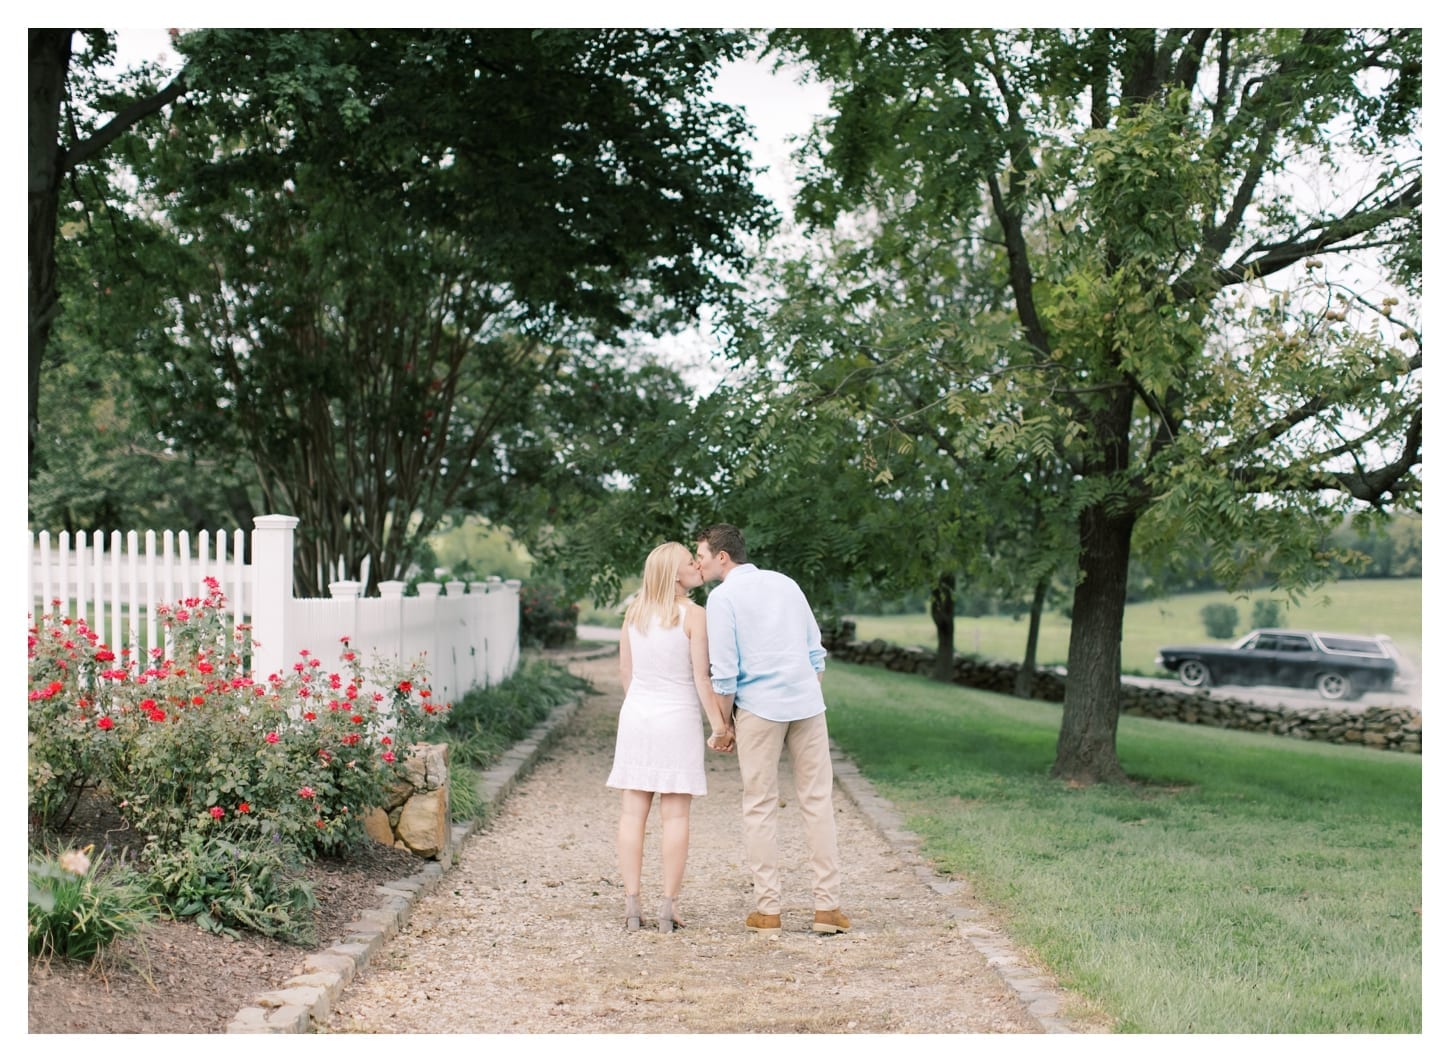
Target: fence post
512,633
390,591
272,552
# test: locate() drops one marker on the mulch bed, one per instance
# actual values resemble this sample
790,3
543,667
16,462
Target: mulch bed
176,977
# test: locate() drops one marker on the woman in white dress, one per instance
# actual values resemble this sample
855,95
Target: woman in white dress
665,668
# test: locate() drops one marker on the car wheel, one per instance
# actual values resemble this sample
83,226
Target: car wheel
1333,686
1194,673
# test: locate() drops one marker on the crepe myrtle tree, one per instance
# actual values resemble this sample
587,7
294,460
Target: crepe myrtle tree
383,262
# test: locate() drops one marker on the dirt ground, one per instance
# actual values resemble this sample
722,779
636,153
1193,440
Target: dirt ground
178,978
526,934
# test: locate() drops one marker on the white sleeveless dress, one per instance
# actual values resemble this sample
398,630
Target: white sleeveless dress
660,746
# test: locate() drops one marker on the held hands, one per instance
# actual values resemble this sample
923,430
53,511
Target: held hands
722,740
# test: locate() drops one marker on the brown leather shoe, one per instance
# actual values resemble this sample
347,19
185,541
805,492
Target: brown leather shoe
763,923
831,922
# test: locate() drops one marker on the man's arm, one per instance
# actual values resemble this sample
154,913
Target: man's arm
814,648
724,646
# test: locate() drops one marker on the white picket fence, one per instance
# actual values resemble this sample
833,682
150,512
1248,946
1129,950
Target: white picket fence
467,634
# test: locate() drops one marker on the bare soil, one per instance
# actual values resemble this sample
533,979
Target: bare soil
178,978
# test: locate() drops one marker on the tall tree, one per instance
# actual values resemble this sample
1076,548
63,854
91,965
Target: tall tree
1217,355
74,115
896,324
383,261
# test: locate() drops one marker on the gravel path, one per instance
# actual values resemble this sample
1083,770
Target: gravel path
526,933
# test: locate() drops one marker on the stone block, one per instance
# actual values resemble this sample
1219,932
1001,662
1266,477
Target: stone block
330,986
427,766
289,1019
334,960
371,924
397,794
424,824
377,827
305,996
249,1020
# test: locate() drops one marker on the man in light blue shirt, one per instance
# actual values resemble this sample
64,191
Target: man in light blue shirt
766,662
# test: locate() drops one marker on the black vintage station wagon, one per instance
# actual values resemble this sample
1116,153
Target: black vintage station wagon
1339,666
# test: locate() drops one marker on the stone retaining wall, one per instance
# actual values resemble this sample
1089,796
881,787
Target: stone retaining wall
1396,729
415,812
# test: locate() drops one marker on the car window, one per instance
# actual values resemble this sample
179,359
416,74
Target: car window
1294,643
1255,642
1343,644
1262,642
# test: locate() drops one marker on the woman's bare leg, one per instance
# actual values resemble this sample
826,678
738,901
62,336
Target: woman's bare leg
675,815
633,815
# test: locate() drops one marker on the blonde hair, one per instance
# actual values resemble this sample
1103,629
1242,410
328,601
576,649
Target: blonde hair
656,598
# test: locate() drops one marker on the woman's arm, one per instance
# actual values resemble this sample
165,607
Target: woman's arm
626,662
700,665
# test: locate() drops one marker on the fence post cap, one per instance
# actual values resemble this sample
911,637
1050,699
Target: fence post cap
345,588
428,589
391,588
454,587
275,520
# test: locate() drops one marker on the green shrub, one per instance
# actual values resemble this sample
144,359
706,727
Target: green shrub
222,885
69,671
464,803
1266,614
547,618
1220,620
486,721
77,905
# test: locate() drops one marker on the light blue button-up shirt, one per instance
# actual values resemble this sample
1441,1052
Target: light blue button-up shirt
765,645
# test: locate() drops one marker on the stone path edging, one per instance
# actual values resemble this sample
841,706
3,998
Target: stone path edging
304,1001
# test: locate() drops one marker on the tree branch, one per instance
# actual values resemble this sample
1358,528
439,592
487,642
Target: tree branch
1375,486
128,116
1333,235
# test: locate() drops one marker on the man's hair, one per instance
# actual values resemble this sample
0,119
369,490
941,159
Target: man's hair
724,538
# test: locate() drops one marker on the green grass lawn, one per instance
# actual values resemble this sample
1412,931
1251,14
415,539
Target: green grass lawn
1258,885
1357,606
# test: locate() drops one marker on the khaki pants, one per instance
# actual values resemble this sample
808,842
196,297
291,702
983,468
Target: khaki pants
758,744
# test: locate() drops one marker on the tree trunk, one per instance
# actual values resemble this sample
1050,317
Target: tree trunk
1087,744
49,162
943,615
49,59
1022,687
